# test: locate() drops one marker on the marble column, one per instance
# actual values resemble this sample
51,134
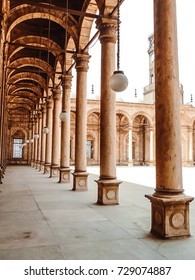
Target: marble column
39,140
170,206
151,159
35,142
29,146
80,175
190,148
49,124
108,185
43,139
64,174
130,159
31,142
55,156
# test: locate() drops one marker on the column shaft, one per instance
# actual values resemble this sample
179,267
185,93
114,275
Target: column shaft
39,140
190,148
49,124
65,131
151,146
55,158
35,143
80,174
130,159
43,138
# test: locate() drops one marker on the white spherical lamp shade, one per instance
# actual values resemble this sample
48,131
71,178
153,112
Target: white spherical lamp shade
118,81
31,140
63,116
45,130
27,141
36,135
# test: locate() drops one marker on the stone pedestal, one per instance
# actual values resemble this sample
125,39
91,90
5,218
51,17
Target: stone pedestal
80,181
170,215
108,192
54,170
38,165
47,167
64,175
41,167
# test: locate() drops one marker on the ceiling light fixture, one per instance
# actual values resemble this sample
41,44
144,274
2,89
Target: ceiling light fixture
118,81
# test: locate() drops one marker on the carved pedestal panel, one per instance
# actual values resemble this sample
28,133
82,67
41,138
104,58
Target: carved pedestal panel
47,167
108,192
54,170
80,181
170,216
64,175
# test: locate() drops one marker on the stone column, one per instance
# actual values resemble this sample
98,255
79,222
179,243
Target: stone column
35,142
80,175
49,124
108,185
151,159
65,132
29,146
130,160
190,148
31,142
39,140
55,156
43,139
170,206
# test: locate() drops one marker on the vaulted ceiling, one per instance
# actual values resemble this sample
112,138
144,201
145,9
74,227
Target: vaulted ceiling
40,39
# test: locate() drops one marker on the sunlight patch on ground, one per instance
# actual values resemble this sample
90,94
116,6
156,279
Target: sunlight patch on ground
145,175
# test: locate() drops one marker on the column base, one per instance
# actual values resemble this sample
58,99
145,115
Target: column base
64,175
170,215
108,191
47,167
32,163
41,167
38,165
130,163
80,181
54,170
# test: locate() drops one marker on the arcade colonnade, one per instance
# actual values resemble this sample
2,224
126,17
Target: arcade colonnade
47,139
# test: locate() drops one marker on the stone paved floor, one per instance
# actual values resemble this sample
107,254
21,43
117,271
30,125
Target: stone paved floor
42,219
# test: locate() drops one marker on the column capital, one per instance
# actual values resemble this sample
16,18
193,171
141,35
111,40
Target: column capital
39,114
107,30
67,81
43,108
50,103
57,93
82,62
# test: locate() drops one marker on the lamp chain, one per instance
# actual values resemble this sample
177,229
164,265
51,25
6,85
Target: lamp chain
118,36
